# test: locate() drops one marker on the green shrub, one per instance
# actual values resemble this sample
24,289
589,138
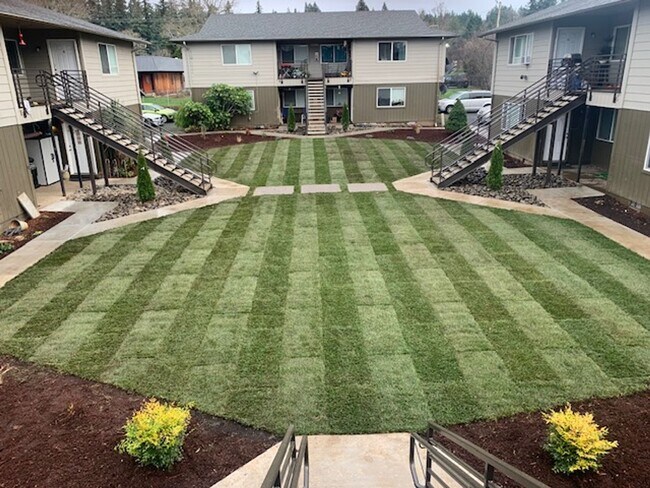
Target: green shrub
6,247
195,116
495,174
291,119
155,434
345,119
146,190
225,102
575,442
457,119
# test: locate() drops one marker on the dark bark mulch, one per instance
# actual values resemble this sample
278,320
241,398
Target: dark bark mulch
518,440
613,209
37,226
212,140
510,162
59,430
425,135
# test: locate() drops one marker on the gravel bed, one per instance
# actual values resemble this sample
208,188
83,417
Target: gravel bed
126,197
515,187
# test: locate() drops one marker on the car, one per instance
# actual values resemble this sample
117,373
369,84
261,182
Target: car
473,101
166,113
484,115
153,120
458,80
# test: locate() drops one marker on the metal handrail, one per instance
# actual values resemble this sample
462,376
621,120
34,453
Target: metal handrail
26,85
70,90
288,462
457,469
604,73
566,79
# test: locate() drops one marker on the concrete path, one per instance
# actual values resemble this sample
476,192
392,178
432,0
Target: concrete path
559,204
83,223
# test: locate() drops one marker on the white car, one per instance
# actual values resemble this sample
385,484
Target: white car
484,115
473,101
153,120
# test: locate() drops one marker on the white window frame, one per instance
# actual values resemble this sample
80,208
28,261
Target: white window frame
391,88
512,114
344,94
295,90
252,94
646,163
392,50
21,65
629,34
611,129
237,63
527,56
108,58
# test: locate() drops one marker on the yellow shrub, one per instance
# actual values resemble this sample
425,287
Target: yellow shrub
575,441
155,434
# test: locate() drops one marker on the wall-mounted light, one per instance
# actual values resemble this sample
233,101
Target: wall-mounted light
524,77
21,39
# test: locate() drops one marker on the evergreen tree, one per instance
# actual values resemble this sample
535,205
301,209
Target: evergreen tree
362,6
345,118
258,7
536,5
228,8
384,7
495,173
311,7
291,119
457,119
146,190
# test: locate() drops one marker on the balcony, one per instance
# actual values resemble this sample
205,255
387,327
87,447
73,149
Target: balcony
300,62
604,75
30,93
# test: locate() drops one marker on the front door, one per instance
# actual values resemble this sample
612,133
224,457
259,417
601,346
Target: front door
569,40
63,57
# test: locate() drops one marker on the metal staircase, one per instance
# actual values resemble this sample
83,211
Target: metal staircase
563,89
71,100
316,108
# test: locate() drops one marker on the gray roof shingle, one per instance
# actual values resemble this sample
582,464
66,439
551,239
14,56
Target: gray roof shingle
564,9
315,25
158,64
19,9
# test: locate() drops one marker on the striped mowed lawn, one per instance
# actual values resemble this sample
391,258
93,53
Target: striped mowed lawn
308,161
341,313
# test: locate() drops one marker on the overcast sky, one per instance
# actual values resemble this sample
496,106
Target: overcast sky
480,6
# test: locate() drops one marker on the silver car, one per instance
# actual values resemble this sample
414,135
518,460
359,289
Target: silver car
473,101
484,115
153,120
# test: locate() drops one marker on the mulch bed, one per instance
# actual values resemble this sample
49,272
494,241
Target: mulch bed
510,162
425,135
212,140
37,226
59,430
613,209
518,440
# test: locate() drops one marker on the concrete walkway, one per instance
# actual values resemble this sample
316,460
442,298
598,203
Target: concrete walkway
83,223
559,204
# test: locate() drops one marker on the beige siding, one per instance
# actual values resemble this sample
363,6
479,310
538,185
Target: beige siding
15,177
637,92
122,86
267,107
206,66
627,177
8,104
421,104
424,63
508,79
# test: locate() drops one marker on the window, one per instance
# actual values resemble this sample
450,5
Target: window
391,97
294,54
108,58
336,97
392,51
333,53
295,98
646,166
15,60
236,54
252,94
606,125
621,39
521,48
512,114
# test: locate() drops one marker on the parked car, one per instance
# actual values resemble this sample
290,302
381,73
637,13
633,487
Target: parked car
166,113
153,120
473,101
458,80
484,115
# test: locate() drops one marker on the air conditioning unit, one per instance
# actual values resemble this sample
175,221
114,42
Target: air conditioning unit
527,60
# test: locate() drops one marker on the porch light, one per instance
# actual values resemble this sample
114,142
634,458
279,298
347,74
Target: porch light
21,39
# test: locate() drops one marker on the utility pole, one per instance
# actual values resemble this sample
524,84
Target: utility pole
499,4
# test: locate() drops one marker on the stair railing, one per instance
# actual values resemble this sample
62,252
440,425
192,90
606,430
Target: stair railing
69,90
289,461
526,106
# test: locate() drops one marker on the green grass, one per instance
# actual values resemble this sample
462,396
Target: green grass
171,101
340,313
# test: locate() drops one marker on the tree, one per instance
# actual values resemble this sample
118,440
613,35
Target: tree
345,118
495,173
457,119
311,7
384,7
291,119
146,190
362,6
258,7
536,5
476,55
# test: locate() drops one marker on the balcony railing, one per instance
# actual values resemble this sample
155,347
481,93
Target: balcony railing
293,71
337,70
30,92
604,73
